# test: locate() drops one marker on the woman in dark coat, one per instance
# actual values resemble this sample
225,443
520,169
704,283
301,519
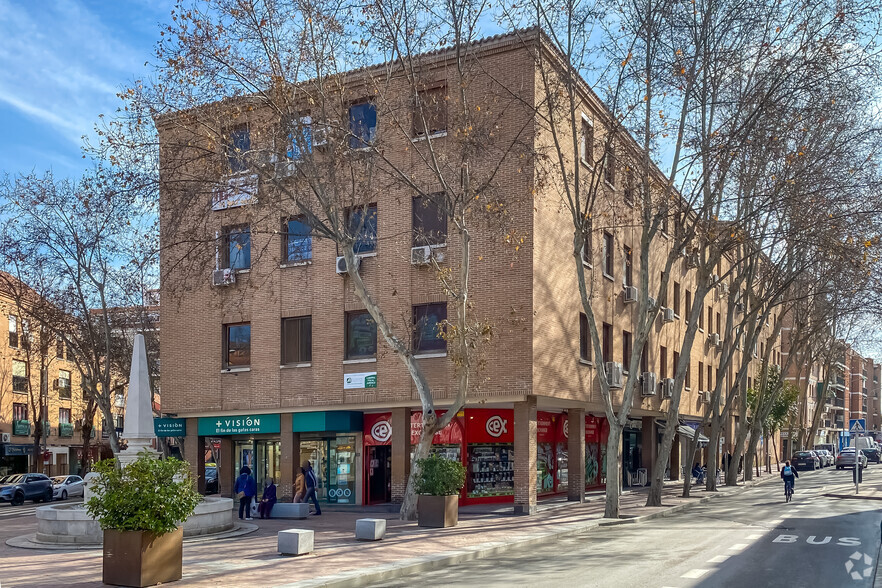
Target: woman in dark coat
268,500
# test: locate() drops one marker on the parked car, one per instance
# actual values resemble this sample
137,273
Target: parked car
826,457
21,487
827,446
846,459
873,454
211,479
65,486
806,460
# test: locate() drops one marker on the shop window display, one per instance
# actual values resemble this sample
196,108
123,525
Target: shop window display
491,470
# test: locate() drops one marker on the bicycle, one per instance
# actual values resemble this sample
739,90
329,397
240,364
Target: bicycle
788,490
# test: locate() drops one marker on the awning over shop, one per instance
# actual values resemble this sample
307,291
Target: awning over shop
689,433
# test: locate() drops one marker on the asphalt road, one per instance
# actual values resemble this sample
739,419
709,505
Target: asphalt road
750,540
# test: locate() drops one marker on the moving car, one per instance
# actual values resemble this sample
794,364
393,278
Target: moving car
21,487
806,460
846,459
64,486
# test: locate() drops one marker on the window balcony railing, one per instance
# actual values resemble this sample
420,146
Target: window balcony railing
21,427
65,430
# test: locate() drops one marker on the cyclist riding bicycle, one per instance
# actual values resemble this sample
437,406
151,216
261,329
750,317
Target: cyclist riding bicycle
789,475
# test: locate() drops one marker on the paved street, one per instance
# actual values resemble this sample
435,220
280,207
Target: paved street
750,540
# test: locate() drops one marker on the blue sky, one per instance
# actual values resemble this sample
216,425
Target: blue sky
61,64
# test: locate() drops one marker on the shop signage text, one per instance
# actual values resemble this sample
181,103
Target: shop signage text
240,425
362,380
166,427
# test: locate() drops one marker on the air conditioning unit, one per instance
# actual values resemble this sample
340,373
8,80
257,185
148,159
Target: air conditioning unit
668,388
651,302
669,315
739,308
320,132
650,383
614,374
341,265
285,169
223,277
630,294
724,288
55,385
713,279
692,260
705,397
5,437
420,255
715,339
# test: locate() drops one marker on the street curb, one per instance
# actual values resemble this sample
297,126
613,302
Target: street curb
358,578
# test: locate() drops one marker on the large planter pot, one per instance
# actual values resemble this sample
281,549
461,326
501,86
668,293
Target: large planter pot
438,511
142,558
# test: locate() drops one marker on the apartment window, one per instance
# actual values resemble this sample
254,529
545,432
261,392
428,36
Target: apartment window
676,363
688,308
59,348
663,362
644,360
362,125
299,137
587,147
718,325
297,340
13,331
587,246
19,376
701,321
64,416
297,242
237,247
701,375
361,335
25,333
710,318
427,334
19,411
238,144
710,377
608,254
688,382
120,422
429,221
430,113
626,350
609,171
64,384
629,187
607,343
677,298
363,224
237,345
749,383
628,266
584,338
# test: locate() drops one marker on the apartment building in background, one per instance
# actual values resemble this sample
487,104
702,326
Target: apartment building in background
270,360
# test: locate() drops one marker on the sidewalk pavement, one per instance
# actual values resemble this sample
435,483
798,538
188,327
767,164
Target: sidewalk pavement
340,560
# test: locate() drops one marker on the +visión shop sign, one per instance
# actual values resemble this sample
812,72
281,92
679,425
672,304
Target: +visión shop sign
239,424
167,427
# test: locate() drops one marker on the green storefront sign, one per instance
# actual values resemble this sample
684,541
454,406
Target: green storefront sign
328,421
21,427
65,430
239,425
166,427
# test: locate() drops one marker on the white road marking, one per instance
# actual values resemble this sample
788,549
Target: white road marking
718,559
694,573
738,546
755,536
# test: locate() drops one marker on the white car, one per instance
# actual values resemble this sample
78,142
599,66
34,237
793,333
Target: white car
66,486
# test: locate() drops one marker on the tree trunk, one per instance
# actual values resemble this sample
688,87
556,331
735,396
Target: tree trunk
421,451
750,454
738,452
710,483
613,470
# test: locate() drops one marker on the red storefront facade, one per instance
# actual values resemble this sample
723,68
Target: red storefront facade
482,439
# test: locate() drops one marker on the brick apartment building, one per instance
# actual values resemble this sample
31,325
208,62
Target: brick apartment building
282,364
21,355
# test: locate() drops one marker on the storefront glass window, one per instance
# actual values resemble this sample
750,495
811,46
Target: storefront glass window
491,469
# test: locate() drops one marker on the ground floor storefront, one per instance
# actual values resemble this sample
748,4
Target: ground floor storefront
513,453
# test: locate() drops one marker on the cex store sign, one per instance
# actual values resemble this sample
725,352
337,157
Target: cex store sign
487,425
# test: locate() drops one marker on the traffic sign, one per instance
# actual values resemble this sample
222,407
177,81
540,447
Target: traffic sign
857,425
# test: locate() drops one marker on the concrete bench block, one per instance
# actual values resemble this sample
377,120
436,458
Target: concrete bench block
370,529
290,510
296,541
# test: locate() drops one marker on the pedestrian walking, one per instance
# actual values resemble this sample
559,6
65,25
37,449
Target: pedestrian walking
245,489
267,500
300,485
311,485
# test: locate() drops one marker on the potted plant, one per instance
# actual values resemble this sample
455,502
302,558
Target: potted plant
438,485
140,508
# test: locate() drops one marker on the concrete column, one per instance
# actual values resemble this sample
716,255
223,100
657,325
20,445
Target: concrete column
650,444
525,456
675,458
400,452
289,449
226,477
194,453
576,455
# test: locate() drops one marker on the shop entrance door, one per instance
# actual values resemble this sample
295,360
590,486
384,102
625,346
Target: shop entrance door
262,456
379,474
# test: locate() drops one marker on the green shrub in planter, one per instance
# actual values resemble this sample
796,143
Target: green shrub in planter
440,476
149,494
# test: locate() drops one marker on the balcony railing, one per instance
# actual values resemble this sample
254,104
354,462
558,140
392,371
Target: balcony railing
65,430
21,427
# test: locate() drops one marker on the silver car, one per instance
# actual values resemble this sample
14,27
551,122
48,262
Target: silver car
64,487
